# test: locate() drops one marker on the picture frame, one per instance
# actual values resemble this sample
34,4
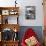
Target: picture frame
13,12
5,12
30,12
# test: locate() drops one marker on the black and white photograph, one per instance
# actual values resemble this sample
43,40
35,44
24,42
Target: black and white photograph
30,12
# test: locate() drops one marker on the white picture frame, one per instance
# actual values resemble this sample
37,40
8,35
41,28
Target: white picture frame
5,12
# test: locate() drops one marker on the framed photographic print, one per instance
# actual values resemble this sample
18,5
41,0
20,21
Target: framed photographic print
30,12
13,12
5,12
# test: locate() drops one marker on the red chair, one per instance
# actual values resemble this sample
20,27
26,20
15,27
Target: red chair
29,33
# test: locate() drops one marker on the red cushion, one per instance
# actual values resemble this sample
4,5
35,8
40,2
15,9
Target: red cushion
29,33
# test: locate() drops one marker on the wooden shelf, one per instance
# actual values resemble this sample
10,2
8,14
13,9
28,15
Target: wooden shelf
11,26
10,43
5,8
4,13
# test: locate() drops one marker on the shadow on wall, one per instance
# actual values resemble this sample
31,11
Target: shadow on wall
37,29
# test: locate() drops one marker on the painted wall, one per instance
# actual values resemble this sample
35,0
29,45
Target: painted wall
37,30
39,13
22,4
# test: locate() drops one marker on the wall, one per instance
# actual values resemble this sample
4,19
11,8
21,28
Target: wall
39,13
37,30
22,21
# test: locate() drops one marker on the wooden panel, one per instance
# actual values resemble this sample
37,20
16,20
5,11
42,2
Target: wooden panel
44,6
0,43
0,19
45,35
11,26
0,28
10,43
5,8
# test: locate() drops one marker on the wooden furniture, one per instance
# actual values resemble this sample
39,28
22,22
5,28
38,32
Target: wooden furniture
44,35
10,43
0,43
6,12
7,23
44,8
